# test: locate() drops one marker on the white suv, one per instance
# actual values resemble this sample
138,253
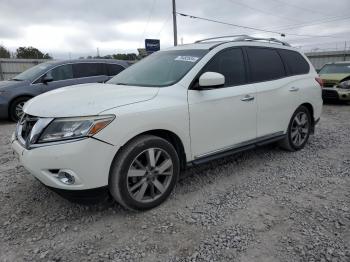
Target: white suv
179,107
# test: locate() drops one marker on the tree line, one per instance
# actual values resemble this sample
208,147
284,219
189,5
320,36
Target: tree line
24,52
34,53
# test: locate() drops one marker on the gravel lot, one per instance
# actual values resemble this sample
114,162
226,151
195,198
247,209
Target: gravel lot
262,205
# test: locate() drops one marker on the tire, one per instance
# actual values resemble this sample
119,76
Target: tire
302,129
16,107
144,173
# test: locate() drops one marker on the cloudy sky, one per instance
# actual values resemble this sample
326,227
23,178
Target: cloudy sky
78,27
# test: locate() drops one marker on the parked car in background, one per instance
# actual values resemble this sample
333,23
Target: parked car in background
14,93
336,81
179,107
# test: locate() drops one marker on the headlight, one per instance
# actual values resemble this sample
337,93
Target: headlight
344,84
75,127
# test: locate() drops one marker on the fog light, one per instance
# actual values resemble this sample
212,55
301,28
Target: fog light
65,178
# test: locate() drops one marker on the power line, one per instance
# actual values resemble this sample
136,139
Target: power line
261,11
300,8
250,28
149,17
164,24
230,24
316,22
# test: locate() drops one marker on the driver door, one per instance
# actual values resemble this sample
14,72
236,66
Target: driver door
61,76
223,118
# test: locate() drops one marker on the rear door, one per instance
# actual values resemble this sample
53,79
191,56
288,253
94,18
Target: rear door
89,73
277,97
222,118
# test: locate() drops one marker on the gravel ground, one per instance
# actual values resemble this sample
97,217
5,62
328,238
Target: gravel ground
262,205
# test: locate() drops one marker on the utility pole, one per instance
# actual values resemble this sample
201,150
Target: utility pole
174,23
345,51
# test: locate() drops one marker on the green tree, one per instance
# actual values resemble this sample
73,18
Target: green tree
31,53
4,53
130,56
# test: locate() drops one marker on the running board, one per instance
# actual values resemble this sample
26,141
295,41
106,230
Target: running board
238,149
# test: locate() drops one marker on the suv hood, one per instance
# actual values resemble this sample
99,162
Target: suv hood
86,99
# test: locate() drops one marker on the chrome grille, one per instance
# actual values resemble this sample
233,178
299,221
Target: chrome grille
29,129
24,128
329,94
325,84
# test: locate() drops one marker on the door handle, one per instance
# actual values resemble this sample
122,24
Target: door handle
293,89
247,98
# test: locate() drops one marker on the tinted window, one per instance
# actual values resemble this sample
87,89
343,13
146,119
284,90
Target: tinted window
62,72
113,69
296,64
230,63
88,69
265,64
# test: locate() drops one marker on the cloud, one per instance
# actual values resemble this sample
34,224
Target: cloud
79,27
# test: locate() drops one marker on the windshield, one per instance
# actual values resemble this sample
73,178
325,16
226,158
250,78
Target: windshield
33,72
162,68
336,69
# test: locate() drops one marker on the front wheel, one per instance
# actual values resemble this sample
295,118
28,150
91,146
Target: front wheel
16,108
299,130
144,173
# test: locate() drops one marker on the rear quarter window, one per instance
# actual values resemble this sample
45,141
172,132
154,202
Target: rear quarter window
295,62
265,64
88,69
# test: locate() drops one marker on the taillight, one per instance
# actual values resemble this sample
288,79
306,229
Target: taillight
319,81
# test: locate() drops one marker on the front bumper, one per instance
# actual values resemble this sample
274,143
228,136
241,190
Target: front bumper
335,94
4,108
88,160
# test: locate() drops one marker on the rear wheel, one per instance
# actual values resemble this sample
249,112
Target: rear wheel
144,173
299,130
16,108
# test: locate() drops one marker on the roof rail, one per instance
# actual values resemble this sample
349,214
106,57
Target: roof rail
244,38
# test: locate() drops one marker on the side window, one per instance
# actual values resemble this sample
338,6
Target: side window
230,63
265,64
62,72
296,64
88,69
114,69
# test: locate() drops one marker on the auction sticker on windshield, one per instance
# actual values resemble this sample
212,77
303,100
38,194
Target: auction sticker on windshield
187,58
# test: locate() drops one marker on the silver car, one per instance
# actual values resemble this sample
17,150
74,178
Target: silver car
52,75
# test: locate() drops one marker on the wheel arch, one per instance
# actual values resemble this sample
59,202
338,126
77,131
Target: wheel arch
14,99
169,136
17,97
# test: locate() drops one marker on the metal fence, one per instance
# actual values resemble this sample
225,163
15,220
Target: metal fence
318,59
12,67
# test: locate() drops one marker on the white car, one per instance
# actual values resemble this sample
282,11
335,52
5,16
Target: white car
179,107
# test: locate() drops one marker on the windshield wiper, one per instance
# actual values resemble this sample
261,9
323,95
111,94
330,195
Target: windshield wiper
16,79
121,84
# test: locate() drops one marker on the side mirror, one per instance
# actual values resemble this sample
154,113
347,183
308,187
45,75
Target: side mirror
47,79
209,79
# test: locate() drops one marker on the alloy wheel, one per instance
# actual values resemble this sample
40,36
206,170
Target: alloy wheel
149,175
300,129
19,110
